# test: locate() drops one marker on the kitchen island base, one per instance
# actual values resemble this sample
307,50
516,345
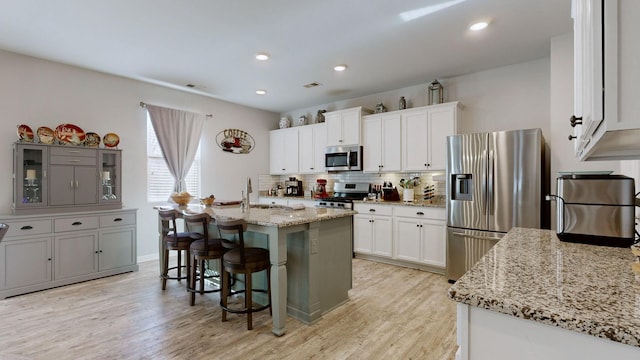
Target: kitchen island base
317,274
485,334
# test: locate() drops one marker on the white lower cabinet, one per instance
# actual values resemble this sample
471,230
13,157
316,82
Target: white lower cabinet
373,230
45,251
421,235
402,235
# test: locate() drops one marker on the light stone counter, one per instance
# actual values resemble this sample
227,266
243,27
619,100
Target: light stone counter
532,275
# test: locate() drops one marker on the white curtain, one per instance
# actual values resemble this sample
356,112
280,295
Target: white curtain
178,134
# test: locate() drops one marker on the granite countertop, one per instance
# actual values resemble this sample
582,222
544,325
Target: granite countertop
278,216
532,275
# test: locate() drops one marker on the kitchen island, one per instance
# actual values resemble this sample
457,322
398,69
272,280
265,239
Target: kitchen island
310,251
535,297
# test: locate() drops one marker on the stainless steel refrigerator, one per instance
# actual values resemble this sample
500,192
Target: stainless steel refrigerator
495,181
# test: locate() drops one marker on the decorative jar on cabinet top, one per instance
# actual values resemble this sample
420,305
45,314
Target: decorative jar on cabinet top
284,122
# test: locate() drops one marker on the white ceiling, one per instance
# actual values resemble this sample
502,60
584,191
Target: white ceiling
212,43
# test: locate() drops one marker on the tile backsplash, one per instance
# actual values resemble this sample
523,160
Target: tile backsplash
436,178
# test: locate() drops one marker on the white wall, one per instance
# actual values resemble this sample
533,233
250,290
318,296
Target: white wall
43,93
506,98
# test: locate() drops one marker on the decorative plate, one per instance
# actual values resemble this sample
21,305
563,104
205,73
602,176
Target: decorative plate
70,134
92,140
111,140
25,134
45,135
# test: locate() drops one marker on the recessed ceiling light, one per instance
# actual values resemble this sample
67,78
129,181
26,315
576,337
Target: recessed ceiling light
261,92
262,56
478,26
340,67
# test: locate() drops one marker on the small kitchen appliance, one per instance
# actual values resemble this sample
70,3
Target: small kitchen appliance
595,209
343,195
343,158
320,191
293,187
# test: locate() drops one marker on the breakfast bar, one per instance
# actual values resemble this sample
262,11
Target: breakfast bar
533,296
310,251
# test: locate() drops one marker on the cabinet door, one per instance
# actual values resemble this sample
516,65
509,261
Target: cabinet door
441,122
75,255
117,248
334,128
414,140
407,239
362,234
391,139
319,144
372,144
86,185
382,236
25,262
110,180
61,182
283,151
312,141
351,126
30,176
434,242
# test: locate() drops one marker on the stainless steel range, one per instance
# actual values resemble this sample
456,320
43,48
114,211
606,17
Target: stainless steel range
343,195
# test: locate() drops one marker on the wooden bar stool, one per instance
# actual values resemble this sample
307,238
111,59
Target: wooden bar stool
242,260
202,250
172,240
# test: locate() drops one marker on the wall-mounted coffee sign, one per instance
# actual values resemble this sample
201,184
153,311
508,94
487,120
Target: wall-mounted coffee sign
235,141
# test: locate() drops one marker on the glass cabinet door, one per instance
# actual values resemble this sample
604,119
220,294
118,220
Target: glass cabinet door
110,181
30,173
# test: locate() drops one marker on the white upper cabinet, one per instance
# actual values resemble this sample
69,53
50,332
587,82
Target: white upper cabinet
312,141
283,151
381,142
606,115
343,126
424,136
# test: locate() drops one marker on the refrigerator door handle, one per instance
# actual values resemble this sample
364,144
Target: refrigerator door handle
484,183
490,187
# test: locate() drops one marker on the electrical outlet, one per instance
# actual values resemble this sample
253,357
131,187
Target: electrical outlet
314,245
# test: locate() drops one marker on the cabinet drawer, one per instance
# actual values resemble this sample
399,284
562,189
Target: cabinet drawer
119,219
72,151
75,223
28,227
421,212
73,160
372,209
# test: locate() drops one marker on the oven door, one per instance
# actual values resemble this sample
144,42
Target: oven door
343,158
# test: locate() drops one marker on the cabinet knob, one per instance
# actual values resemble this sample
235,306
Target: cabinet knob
49,259
76,223
26,227
419,213
571,137
575,120
372,210
117,219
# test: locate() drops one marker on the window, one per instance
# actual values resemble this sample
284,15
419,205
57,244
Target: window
159,179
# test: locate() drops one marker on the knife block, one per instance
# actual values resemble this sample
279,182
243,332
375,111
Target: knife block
390,195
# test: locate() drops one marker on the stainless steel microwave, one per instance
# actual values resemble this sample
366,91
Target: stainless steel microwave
343,158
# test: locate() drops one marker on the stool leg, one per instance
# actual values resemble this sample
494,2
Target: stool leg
224,293
179,264
201,277
165,268
188,253
248,301
192,280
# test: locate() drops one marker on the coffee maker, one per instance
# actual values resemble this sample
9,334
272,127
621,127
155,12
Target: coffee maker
293,187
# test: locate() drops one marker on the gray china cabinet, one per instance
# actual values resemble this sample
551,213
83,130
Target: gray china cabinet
50,178
68,224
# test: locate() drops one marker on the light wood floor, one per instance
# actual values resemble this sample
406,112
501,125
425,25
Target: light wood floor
393,313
